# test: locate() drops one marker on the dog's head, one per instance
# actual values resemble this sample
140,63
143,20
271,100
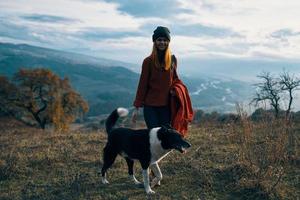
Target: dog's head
171,139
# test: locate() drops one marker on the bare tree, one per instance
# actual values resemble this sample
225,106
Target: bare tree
289,83
268,90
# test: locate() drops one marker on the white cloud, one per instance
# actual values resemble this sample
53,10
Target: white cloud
253,16
254,21
237,47
91,14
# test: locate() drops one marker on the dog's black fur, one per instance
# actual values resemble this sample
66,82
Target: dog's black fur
147,146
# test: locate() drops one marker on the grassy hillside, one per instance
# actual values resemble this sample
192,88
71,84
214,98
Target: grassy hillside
36,164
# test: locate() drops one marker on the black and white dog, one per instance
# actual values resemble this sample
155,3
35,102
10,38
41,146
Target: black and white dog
147,146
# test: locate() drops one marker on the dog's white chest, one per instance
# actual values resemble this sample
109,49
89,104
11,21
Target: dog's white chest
157,152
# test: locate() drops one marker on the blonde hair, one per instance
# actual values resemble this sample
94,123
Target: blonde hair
167,59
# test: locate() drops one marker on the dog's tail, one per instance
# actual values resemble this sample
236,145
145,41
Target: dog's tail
113,117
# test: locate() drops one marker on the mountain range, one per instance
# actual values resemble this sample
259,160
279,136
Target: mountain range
107,84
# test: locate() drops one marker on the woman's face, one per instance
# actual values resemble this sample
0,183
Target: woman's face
162,43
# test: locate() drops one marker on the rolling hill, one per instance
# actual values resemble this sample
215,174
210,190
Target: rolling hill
103,83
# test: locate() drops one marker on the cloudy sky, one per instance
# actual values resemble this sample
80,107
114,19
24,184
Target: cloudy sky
122,30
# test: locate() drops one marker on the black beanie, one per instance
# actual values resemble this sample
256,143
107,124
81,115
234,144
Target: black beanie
161,31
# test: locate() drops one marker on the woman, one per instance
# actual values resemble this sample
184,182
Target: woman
158,74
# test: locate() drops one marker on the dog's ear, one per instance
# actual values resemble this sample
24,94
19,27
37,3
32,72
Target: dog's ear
167,127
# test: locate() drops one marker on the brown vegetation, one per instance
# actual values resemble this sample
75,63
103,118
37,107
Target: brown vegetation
40,95
246,160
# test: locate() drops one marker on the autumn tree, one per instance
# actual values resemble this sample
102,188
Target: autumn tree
7,96
68,105
45,97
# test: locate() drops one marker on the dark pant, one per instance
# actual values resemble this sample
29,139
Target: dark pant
156,116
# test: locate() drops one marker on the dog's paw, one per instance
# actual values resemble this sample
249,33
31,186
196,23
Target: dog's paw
150,191
104,181
136,182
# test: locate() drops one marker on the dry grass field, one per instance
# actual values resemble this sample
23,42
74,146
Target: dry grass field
225,162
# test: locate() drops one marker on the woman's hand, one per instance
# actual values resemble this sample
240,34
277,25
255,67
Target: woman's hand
134,115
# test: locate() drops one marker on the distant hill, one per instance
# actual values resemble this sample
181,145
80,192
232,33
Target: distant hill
104,83
37,53
238,69
107,84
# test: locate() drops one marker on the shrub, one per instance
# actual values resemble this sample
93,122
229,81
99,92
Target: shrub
263,148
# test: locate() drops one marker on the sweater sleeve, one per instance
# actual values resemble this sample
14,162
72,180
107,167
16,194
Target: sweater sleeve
143,85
